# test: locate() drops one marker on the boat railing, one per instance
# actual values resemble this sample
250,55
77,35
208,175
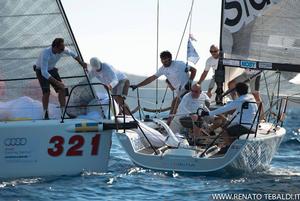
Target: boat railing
93,105
256,118
244,106
281,106
219,135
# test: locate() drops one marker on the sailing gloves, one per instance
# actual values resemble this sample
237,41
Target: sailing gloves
203,113
133,87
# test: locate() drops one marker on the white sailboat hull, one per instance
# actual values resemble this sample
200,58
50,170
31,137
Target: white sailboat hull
254,154
48,148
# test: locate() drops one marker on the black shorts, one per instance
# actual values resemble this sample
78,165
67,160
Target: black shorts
237,130
44,83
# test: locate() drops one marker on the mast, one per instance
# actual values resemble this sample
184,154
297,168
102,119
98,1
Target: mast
220,72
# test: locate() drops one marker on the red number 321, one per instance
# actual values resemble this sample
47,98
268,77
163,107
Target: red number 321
77,141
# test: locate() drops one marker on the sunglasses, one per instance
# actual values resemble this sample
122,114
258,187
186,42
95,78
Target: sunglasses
214,51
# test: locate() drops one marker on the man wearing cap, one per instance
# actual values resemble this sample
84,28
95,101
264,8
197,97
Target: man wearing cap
177,73
47,73
114,79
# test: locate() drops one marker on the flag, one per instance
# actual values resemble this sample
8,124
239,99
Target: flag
192,54
192,37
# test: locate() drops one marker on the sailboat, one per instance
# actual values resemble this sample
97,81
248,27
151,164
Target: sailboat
254,35
31,146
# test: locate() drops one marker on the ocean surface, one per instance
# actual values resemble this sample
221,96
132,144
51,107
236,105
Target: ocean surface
125,181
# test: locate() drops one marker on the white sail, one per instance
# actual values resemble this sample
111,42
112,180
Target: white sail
262,35
26,28
265,31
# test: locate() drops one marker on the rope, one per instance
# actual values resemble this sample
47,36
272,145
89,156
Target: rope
155,111
173,110
268,94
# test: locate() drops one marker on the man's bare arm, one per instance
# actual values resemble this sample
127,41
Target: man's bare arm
82,63
203,76
147,81
193,73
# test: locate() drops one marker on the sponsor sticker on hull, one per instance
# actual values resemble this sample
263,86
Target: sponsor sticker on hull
18,149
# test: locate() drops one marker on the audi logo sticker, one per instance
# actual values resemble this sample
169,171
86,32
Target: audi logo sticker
15,141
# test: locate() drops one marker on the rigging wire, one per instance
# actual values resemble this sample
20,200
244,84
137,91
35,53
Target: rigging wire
157,49
157,43
183,34
185,27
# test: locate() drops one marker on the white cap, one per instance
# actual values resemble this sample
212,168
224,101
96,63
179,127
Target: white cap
95,63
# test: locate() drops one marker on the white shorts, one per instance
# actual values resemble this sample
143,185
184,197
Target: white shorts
121,89
212,83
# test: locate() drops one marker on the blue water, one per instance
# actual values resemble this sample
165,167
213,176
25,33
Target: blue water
125,181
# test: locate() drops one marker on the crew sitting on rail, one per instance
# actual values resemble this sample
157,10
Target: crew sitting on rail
186,115
242,118
115,80
177,72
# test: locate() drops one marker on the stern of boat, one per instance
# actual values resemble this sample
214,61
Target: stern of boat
258,151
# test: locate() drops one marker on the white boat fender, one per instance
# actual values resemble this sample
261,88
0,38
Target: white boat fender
171,140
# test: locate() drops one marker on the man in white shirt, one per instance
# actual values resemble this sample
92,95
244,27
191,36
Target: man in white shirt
211,63
177,73
193,100
47,73
115,80
243,118
189,104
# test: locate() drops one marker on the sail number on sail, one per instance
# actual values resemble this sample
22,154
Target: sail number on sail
77,141
240,12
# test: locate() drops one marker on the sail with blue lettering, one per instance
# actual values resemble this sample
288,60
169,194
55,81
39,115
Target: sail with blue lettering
262,34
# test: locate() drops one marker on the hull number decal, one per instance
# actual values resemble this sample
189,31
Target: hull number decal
76,142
